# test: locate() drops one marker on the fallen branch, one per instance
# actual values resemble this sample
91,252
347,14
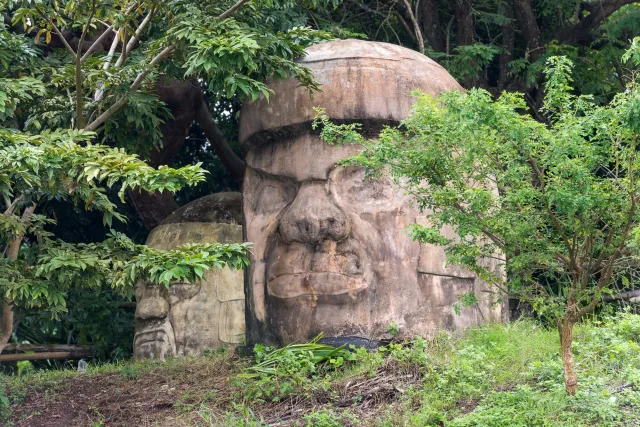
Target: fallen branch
43,356
88,349
631,296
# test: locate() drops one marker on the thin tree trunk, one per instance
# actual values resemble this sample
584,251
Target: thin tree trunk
7,310
529,27
79,95
508,40
565,329
7,325
232,163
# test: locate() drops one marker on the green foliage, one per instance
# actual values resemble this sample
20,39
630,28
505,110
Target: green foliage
559,200
329,418
116,262
505,182
393,328
470,61
279,372
66,165
236,57
5,403
13,91
495,375
43,160
130,373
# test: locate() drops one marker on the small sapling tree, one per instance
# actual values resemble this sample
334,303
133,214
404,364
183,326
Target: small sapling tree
559,199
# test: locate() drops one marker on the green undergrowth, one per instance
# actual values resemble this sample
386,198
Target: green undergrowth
497,375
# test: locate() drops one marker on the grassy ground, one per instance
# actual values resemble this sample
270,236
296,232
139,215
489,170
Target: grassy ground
499,375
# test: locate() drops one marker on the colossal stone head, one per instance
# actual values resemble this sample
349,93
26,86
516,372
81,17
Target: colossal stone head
186,319
331,252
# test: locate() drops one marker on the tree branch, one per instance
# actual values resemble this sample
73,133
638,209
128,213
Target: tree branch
231,162
233,9
598,12
140,78
126,50
134,86
96,43
79,92
416,26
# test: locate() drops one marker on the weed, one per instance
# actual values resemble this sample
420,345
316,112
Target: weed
130,373
329,418
393,329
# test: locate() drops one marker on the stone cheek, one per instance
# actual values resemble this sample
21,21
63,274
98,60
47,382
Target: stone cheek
187,319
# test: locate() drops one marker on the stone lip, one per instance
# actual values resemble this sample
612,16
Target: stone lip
361,81
225,208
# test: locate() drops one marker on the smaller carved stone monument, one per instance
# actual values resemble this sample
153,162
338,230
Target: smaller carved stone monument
186,319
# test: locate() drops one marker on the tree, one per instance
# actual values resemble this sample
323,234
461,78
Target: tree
122,58
559,200
87,88
48,154
503,44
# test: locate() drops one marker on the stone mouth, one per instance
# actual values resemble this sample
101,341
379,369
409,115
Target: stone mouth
325,268
314,283
325,257
156,335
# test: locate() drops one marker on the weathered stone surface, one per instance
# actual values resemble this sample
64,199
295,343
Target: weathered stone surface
186,319
363,81
223,208
331,253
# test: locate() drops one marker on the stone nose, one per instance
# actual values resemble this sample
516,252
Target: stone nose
152,308
313,217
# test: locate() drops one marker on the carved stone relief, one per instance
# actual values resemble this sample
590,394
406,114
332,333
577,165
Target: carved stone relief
186,319
331,253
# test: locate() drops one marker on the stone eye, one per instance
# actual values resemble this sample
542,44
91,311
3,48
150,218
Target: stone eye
357,188
272,198
184,291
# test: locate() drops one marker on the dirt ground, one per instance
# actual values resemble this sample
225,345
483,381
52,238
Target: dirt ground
120,398
173,395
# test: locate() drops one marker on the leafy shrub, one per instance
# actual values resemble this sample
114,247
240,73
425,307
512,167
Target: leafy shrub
278,372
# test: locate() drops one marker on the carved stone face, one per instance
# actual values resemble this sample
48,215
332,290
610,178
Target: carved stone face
186,319
331,251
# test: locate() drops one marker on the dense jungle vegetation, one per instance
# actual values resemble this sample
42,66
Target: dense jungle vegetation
114,113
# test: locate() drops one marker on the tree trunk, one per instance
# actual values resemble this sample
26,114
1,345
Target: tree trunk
430,23
565,329
7,310
186,102
529,27
154,207
232,163
508,40
7,325
464,23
